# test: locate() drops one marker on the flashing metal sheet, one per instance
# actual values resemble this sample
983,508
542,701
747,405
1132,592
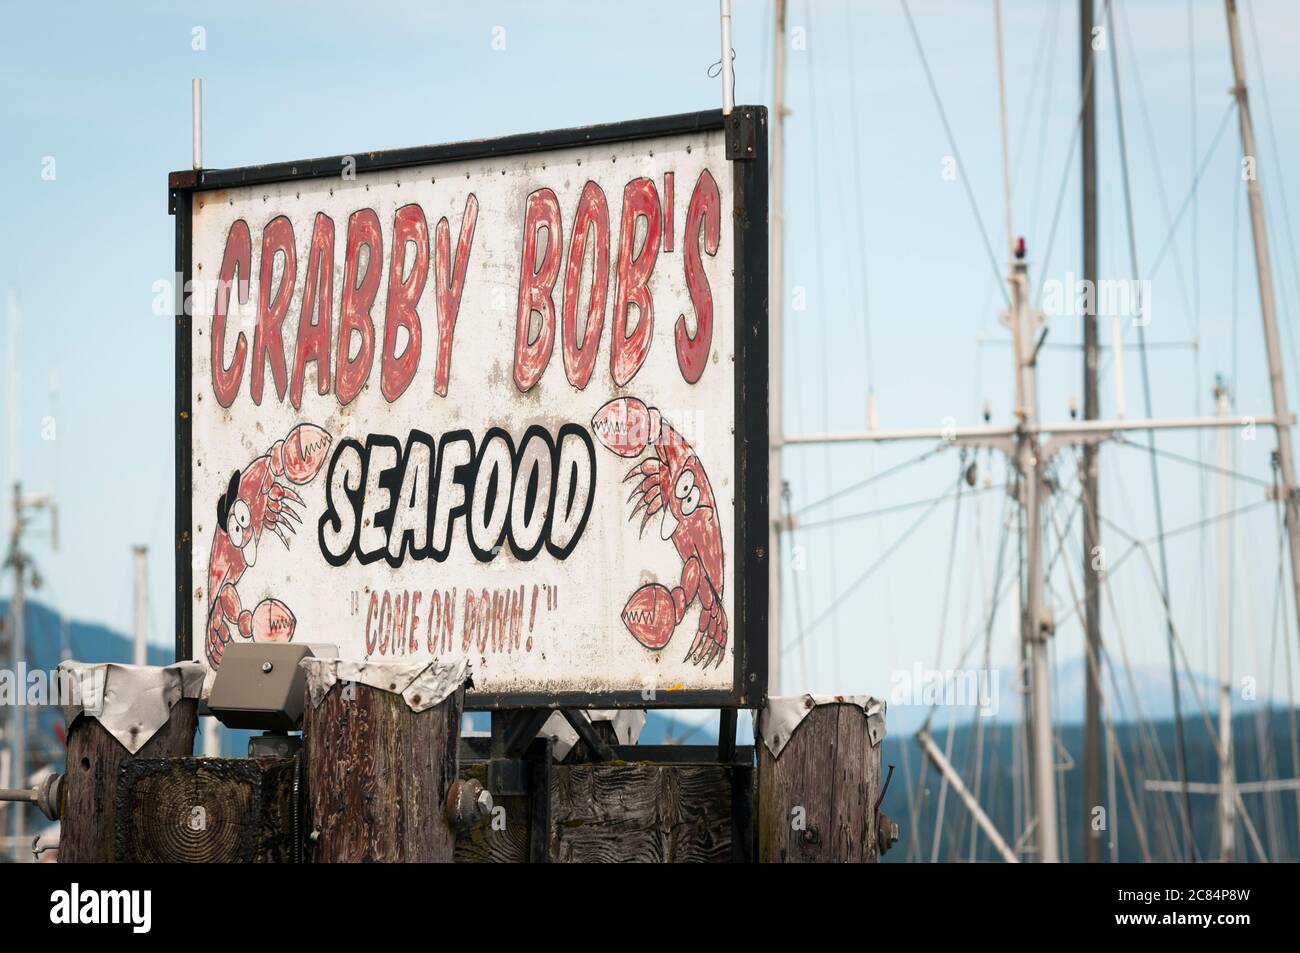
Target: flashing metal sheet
131,701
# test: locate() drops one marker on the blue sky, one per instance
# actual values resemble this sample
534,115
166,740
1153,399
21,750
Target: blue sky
104,90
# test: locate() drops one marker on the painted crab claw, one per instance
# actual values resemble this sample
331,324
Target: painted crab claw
650,615
300,455
625,425
273,622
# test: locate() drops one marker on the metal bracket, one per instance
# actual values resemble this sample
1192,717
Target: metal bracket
1055,444
541,761
742,133
512,733
176,182
1005,444
727,736
597,749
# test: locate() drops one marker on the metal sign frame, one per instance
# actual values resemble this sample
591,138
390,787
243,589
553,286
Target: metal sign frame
745,131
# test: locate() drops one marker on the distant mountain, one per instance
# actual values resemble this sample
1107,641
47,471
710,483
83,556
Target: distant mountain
1262,743
1151,687
49,641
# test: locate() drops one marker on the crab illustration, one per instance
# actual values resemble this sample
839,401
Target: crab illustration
673,485
258,500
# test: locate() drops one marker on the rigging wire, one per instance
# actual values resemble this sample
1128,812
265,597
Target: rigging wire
1143,736
1277,162
941,446
1192,461
895,508
861,216
823,321
1046,59
1191,192
1002,124
1093,663
956,153
975,753
1169,534
1069,154
1180,742
1203,439
825,613
796,371
1290,683
1189,304
794,585
990,614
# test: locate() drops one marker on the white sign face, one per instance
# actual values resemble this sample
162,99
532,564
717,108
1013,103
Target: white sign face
480,408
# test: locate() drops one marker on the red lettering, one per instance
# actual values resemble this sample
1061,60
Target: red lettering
471,619
435,619
409,227
385,623
580,356
372,635
415,618
668,211
313,343
401,603
448,618
628,352
536,284
484,621
238,258
703,214
358,298
448,285
268,339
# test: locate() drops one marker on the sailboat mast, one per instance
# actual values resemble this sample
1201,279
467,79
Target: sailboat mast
1267,303
1036,628
1091,411
1227,779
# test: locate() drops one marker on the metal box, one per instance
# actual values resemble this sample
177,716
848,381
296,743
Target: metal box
261,686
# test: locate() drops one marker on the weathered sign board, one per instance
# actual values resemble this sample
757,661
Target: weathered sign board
503,400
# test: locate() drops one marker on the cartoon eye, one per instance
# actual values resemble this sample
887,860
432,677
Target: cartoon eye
691,502
237,523
687,493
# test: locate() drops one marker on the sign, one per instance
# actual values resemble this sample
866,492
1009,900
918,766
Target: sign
502,400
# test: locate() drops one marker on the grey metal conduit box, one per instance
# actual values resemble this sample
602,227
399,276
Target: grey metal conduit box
261,686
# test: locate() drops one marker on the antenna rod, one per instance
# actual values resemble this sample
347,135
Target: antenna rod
1267,304
18,722
728,80
140,655
775,351
196,94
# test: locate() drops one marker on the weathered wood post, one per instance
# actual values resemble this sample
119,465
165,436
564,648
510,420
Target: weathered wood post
819,779
207,811
381,742
116,714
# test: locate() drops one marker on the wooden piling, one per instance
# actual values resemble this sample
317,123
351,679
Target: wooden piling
378,776
817,798
207,810
95,760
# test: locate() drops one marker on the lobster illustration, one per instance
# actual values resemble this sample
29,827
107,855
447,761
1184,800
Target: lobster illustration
258,500
673,485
